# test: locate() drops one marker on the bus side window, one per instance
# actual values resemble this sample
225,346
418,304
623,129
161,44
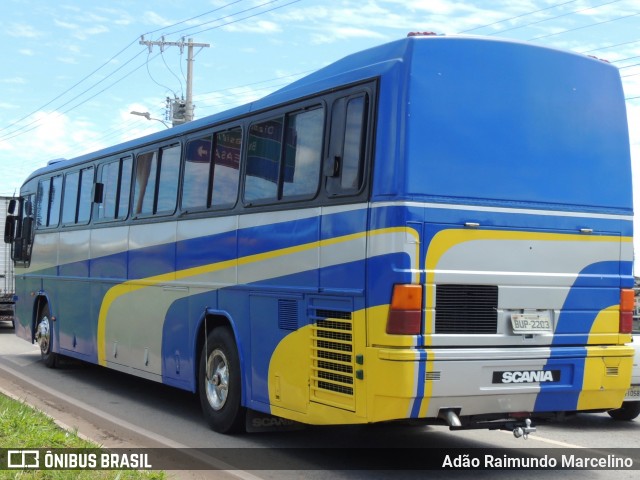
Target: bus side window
284,156
197,171
226,174
76,205
70,200
48,204
303,153
115,178
168,179
264,147
146,177
85,199
157,175
344,166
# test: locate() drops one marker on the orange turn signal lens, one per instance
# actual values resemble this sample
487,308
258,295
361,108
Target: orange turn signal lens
406,297
627,300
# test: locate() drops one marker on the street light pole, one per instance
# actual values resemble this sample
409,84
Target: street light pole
188,103
147,115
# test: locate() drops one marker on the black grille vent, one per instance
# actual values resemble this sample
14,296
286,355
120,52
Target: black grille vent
466,309
287,314
332,368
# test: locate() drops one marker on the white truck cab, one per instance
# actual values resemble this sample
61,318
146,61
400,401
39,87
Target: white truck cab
630,408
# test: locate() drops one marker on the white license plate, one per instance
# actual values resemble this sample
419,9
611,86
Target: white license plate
633,393
531,322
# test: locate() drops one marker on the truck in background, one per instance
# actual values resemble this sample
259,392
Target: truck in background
7,285
630,408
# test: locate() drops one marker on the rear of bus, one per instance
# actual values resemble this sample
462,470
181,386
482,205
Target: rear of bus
513,186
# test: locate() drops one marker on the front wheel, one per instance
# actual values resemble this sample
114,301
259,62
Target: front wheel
219,382
628,411
44,337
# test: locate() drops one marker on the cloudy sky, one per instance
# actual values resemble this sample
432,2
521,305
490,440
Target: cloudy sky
74,69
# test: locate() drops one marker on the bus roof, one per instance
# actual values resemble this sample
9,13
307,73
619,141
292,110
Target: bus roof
359,66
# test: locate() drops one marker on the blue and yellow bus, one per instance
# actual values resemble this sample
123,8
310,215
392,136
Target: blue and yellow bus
436,229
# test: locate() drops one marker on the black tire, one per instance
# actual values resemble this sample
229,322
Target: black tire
44,337
628,411
221,394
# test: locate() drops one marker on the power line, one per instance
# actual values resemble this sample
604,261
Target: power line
59,114
611,46
68,90
585,26
186,31
86,77
15,133
556,17
247,17
517,16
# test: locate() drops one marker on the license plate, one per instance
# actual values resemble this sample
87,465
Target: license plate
633,393
531,322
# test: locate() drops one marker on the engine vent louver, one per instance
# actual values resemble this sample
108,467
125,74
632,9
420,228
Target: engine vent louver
332,359
466,309
287,314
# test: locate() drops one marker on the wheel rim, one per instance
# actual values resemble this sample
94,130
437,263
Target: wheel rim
217,381
43,335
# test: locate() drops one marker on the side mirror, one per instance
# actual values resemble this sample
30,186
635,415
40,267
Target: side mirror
27,227
11,209
10,229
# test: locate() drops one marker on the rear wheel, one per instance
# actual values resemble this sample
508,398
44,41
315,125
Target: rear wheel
44,337
219,383
628,411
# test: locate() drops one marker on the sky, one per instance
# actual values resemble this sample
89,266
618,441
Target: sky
73,70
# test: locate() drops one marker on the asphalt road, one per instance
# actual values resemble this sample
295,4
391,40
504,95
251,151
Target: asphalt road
120,411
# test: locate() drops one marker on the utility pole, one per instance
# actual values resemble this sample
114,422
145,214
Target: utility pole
182,109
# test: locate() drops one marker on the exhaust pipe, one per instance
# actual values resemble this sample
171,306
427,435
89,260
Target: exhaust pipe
451,417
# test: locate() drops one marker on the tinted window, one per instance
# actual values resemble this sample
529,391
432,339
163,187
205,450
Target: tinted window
84,198
48,204
345,162
303,153
263,160
124,190
205,186
55,198
76,205
71,183
196,173
226,167
116,180
146,177
284,156
352,154
42,206
109,179
168,179
157,174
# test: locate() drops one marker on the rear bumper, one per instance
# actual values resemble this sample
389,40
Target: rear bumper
422,383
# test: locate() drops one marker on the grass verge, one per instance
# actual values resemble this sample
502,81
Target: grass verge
24,427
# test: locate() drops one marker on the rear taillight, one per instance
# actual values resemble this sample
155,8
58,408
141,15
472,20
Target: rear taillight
627,303
405,312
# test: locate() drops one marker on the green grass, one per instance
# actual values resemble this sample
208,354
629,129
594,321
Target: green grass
24,427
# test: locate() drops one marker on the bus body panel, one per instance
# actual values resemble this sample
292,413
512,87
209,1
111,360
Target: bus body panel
479,189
